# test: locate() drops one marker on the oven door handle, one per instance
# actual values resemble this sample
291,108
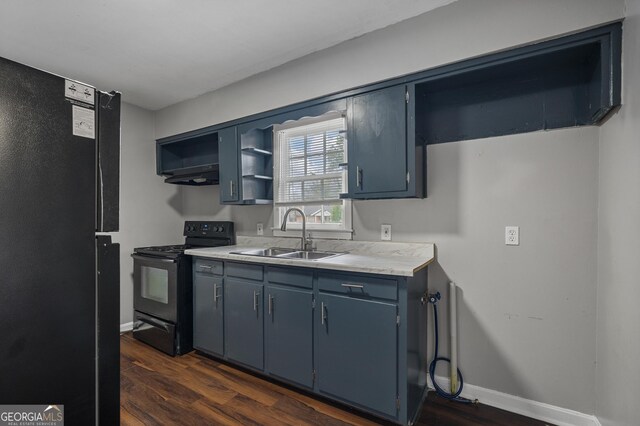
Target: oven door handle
153,259
157,324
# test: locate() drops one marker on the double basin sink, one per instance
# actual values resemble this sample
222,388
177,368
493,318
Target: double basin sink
287,253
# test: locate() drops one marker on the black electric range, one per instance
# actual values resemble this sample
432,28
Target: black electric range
162,281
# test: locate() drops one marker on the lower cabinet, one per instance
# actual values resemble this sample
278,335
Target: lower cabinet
289,337
355,338
357,351
208,313
244,337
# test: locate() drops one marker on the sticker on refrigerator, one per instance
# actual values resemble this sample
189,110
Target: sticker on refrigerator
84,122
79,91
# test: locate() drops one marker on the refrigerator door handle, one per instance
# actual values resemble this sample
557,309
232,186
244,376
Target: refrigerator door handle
108,161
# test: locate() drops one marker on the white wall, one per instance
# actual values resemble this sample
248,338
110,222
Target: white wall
618,366
149,208
527,313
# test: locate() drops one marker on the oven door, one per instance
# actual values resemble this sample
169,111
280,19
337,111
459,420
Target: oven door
155,286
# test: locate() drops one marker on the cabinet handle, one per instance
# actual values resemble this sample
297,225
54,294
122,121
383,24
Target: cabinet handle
203,267
360,286
231,188
270,304
358,177
216,296
255,300
323,316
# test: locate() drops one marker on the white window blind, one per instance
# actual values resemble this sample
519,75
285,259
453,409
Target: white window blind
308,164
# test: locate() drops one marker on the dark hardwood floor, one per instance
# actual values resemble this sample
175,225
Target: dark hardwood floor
194,390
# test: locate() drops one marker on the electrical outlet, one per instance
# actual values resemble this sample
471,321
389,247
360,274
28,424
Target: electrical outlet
260,229
512,235
385,232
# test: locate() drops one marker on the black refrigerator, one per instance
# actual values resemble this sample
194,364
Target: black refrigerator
59,277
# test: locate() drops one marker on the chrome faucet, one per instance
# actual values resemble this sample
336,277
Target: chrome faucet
305,243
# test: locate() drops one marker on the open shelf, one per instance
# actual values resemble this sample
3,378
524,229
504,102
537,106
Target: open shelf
554,88
256,160
189,161
260,177
252,150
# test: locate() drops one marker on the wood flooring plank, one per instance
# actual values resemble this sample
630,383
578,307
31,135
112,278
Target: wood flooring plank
312,416
199,383
210,412
318,405
242,387
194,390
163,385
128,419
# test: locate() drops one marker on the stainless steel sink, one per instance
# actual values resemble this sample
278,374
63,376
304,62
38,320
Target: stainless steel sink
269,252
309,255
287,253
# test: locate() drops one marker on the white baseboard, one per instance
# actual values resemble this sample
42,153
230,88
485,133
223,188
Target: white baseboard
128,326
526,407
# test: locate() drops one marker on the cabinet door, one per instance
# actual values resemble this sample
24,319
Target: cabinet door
357,351
289,337
207,313
377,142
228,158
243,322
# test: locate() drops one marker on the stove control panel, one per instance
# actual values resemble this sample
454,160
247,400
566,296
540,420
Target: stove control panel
209,229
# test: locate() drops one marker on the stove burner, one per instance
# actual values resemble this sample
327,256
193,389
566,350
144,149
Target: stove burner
199,234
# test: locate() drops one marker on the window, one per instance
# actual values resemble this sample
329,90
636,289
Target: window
309,174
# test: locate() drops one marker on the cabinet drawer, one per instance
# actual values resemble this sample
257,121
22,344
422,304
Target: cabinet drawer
208,266
244,270
294,277
359,285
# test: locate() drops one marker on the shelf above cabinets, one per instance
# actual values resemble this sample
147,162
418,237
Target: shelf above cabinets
572,81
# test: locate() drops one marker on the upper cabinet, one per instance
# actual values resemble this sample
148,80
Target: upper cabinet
246,154
568,81
229,172
381,149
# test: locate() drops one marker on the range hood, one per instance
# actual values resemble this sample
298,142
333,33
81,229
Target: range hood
195,176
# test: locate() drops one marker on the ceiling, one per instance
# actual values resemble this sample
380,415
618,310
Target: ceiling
159,52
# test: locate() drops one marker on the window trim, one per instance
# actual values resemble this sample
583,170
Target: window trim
322,231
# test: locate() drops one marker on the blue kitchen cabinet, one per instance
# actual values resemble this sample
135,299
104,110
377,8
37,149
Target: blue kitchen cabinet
208,312
376,135
229,166
244,337
357,351
569,81
288,334
383,158
256,164
254,153
359,339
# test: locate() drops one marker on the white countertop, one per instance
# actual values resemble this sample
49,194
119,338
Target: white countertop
392,258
